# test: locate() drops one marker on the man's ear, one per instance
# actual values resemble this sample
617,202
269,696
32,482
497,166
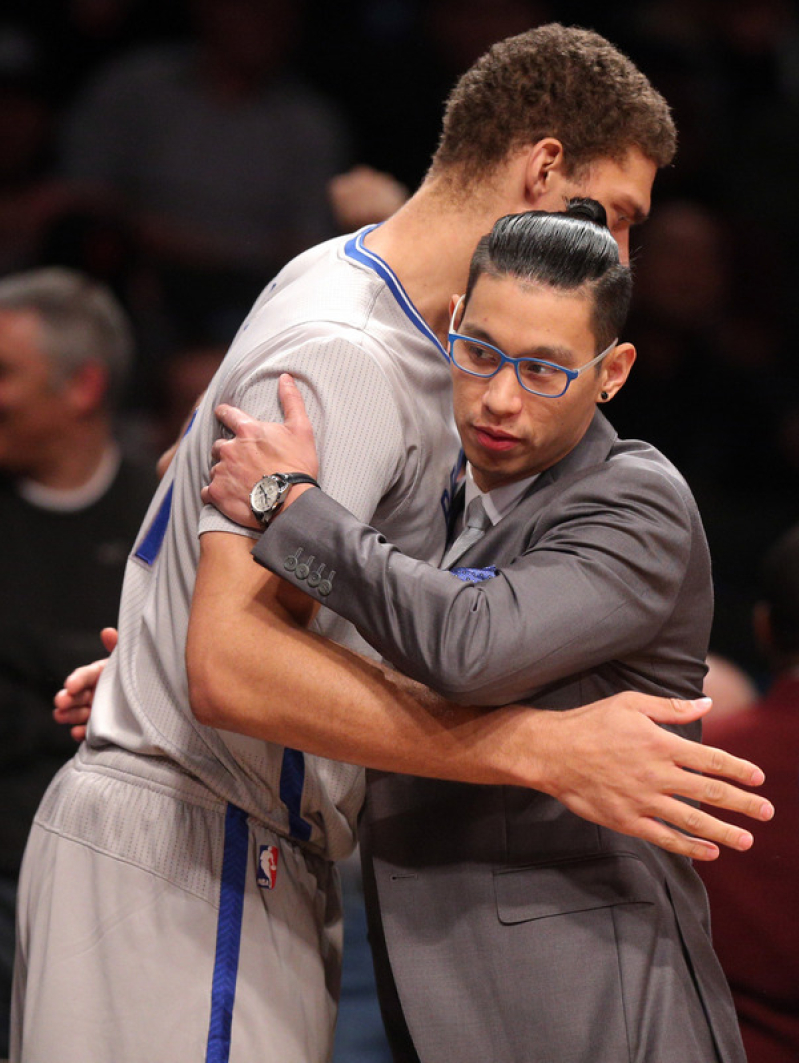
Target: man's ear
452,304
615,369
544,175
87,388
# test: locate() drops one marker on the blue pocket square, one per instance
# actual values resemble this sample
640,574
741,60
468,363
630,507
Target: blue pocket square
474,575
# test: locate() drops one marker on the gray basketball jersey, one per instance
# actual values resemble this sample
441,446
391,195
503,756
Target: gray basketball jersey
377,387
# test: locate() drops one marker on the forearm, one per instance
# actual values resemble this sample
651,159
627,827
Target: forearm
254,671
534,623
413,614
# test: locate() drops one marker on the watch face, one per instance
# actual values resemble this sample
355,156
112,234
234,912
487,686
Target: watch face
266,495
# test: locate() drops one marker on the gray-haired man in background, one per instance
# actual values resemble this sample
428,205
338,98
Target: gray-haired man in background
70,507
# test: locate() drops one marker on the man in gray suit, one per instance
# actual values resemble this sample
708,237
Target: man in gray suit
512,929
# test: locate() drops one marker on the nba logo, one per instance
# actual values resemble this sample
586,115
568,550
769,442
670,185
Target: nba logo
267,867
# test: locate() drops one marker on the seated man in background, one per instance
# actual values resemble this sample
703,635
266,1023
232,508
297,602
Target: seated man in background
755,929
70,507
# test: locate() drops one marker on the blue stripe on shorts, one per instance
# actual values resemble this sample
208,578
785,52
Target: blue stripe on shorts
292,780
228,934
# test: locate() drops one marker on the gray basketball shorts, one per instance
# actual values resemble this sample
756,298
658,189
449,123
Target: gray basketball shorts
153,927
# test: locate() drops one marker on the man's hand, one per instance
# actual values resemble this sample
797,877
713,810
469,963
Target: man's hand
612,764
259,449
73,703
608,762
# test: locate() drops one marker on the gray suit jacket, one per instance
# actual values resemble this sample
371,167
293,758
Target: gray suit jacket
514,930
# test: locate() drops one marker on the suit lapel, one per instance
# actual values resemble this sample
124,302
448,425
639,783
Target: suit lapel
455,513
593,449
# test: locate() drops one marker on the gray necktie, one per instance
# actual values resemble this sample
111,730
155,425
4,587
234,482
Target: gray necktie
475,524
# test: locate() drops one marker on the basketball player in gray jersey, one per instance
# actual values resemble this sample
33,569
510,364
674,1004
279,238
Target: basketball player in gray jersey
177,898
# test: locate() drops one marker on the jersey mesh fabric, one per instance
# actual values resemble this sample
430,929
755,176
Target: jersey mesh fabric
378,394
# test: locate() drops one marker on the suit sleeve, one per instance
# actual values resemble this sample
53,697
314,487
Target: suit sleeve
598,582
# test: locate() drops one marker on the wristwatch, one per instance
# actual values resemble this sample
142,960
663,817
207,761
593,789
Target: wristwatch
267,496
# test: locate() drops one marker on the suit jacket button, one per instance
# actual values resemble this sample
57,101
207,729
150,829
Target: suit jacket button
326,586
291,562
302,570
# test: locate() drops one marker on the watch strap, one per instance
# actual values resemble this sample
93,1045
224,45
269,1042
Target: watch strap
297,478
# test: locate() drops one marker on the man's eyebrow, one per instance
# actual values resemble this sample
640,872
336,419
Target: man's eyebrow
542,352
629,207
559,355
475,332
639,216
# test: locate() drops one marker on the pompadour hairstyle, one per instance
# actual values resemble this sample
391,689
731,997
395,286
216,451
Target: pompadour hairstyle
553,81
569,251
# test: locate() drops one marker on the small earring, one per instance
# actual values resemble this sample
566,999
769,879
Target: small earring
604,396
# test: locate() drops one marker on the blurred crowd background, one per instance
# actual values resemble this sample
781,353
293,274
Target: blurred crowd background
180,152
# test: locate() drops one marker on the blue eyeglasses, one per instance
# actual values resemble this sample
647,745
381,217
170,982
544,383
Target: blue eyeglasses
478,358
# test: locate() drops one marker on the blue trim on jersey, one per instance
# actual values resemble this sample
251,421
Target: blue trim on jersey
148,548
292,780
191,422
228,935
354,249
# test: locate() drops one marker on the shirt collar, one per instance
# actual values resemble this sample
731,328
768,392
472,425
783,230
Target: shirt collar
499,502
72,499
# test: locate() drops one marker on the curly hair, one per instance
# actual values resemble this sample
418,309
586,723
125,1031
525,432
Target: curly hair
553,81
